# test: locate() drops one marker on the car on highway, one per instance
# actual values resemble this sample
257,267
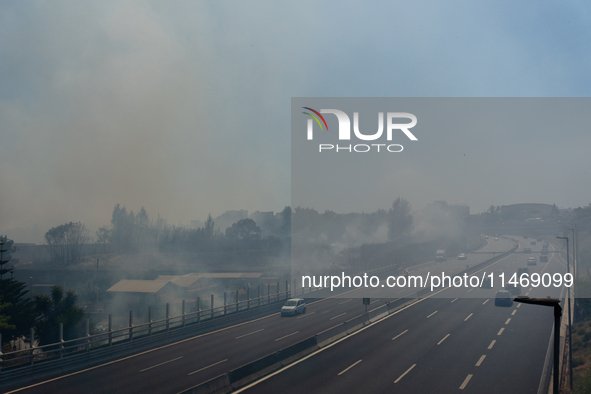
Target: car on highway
462,256
486,283
543,259
522,270
514,289
532,261
526,250
293,306
546,244
504,298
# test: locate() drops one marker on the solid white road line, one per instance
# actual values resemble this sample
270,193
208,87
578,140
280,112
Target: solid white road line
492,344
407,371
403,332
463,386
250,333
444,338
432,314
348,368
199,370
288,335
374,301
338,316
481,360
470,315
157,365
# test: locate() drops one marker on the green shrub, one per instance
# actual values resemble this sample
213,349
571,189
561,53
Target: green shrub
578,361
581,332
577,345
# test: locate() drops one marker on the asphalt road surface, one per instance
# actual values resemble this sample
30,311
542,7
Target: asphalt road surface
437,344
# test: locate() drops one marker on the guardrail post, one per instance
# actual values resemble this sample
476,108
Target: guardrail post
149,320
212,314
198,307
0,352
130,324
110,329
87,334
167,316
248,298
237,302
225,304
183,310
61,340
259,295
32,346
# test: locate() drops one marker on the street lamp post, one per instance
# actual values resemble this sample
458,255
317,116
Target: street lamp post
553,302
570,336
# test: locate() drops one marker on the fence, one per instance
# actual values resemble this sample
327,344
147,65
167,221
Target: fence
64,348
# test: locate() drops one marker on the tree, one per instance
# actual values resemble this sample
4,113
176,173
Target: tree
399,219
66,243
285,229
245,229
55,310
18,311
4,320
208,230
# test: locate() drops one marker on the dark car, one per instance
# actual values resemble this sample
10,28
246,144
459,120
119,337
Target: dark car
513,289
522,270
504,298
543,259
486,283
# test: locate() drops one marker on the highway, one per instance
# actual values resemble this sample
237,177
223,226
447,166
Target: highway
438,345
432,344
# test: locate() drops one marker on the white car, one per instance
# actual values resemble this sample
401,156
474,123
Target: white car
293,306
462,256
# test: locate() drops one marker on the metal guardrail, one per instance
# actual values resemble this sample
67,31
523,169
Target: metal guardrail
65,348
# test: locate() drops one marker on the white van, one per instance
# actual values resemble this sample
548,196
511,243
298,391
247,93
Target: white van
293,306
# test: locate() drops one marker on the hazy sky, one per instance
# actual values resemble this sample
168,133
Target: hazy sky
184,107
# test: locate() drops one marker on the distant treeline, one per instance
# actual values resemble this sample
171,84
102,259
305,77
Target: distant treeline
130,232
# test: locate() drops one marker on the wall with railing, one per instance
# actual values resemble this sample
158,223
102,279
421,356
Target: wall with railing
111,337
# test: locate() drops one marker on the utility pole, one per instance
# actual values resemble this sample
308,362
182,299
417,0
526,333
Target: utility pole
96,286
570,335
